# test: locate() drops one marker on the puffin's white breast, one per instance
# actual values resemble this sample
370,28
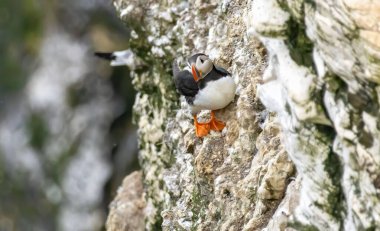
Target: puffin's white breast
216,95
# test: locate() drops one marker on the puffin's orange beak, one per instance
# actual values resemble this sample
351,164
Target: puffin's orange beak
195,73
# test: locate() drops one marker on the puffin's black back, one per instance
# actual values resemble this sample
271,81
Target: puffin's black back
185,83
215,74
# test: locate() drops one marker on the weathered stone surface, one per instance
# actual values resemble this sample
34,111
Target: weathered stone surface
331,56
319,80
196,183
127,209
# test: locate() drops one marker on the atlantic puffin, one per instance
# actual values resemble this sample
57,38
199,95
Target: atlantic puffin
206,87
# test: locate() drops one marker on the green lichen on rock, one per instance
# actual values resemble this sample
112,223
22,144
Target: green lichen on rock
337,156
300,46
156,100
38,131
197,203
188,181
335,199
335,203
302,227
325,96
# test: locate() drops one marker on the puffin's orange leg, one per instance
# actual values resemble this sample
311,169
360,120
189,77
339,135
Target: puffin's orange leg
216,124
201,129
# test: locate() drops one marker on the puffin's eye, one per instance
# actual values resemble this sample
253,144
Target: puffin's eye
202,60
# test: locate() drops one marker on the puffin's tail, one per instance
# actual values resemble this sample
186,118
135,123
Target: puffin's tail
106,55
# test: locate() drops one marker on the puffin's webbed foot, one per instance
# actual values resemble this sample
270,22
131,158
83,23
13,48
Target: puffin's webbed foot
216,124
201,129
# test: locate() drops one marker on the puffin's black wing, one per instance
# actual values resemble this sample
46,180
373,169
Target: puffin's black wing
222,71
184,82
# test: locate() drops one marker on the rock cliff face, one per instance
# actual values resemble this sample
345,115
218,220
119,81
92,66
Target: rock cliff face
315,65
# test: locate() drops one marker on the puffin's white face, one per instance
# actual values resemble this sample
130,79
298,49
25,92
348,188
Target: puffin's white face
203,65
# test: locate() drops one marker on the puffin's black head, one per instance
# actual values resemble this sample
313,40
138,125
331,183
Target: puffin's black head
200,65
192,59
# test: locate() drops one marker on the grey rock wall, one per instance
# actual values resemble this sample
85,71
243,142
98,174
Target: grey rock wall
315,67
324,66
127,209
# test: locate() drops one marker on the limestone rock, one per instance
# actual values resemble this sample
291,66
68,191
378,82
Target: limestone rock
127,209
326,73
194,183
319,84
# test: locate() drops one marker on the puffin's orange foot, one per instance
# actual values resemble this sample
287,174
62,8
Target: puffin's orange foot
202,129
217,125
